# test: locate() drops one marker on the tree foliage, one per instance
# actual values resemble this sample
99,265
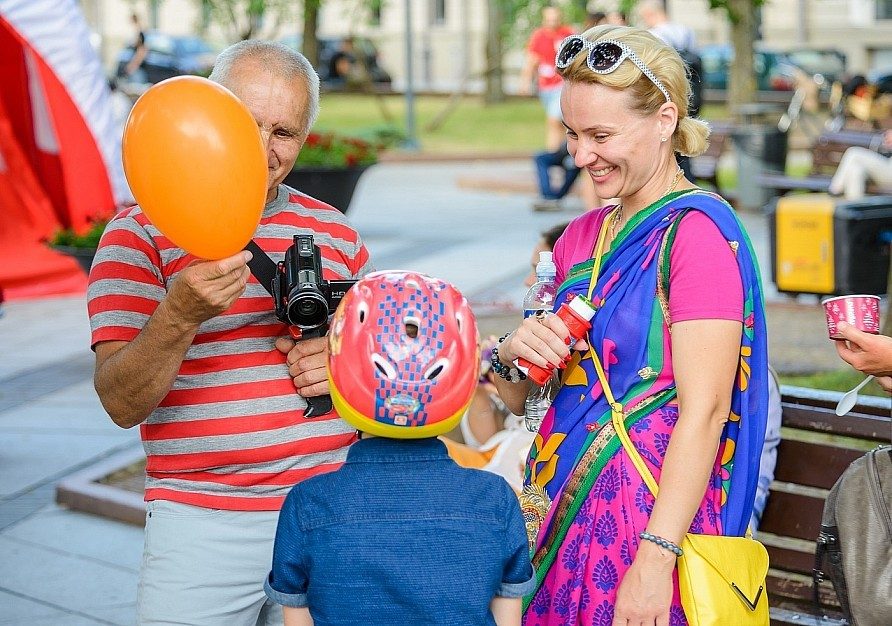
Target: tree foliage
244,19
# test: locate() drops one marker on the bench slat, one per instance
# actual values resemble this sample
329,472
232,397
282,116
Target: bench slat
788,183
781,617
789,560
824,420
827,152
795,591
812,464
793,515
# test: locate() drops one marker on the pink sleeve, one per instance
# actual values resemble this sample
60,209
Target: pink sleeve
704,280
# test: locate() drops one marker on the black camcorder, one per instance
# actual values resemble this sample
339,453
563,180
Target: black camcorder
303,298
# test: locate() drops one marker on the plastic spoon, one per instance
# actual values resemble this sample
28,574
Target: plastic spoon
850,398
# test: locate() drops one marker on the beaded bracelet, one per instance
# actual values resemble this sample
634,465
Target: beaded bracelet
663,543
511,374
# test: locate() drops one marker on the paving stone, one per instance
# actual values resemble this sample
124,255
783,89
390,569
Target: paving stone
18,610
33,456
81,535
81,585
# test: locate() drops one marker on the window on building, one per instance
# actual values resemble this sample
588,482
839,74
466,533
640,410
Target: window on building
884,9
438,12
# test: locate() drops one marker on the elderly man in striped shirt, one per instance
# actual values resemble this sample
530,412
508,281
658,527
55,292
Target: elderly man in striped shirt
192,352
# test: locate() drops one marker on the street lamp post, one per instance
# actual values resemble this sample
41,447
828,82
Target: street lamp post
411,142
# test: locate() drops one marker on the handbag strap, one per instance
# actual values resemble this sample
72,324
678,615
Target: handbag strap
616,408
616,416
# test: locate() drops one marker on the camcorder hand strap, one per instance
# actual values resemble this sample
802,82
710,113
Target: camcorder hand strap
263,267
265,271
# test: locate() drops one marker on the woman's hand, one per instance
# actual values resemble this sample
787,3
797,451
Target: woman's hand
540,340
644,596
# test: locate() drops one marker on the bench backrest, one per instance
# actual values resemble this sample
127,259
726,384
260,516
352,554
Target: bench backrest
719,134
829,148
816,448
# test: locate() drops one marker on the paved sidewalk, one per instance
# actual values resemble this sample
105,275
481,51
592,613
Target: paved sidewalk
63,567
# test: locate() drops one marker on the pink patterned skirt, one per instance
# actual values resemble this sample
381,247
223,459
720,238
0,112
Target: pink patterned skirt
581,585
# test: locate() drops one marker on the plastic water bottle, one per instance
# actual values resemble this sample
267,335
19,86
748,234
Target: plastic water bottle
576,315
539,401
540,296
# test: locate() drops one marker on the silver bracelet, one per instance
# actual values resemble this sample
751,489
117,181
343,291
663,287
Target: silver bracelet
663,543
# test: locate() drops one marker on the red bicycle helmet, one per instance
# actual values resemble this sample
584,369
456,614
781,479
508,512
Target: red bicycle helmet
403,358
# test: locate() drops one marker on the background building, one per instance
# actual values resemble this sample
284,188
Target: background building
449,36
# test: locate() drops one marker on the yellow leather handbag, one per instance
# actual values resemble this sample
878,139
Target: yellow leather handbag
721,579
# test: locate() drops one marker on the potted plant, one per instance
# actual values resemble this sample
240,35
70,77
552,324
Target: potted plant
329,166
80,245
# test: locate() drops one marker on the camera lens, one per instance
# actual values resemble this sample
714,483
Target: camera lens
308,309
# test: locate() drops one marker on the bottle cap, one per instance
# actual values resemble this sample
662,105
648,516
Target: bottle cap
545,266
583,307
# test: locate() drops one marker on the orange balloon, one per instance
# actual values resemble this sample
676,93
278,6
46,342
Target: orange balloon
196,165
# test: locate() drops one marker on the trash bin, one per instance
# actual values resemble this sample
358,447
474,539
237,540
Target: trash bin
760,147
830,246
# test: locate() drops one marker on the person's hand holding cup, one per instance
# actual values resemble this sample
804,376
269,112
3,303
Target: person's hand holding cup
859,311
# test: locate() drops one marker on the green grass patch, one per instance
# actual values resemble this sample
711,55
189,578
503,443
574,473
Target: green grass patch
839,380
516,125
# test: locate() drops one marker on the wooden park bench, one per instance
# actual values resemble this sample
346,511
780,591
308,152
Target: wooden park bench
816,447
826,155
705,166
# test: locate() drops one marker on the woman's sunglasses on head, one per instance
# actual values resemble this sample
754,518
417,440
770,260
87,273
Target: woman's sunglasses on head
604,57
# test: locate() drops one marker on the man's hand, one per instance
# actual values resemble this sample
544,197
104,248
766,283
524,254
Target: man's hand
207,288
306,363
871,354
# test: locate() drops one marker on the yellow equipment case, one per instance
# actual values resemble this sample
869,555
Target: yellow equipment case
824,245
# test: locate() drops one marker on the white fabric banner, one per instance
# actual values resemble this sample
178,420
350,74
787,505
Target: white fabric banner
59,33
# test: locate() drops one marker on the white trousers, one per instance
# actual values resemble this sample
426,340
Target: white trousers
857,166
206,567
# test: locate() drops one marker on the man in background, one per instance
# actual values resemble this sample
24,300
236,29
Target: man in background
683,40
134,71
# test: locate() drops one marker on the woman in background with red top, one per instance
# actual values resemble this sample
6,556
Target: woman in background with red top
541,48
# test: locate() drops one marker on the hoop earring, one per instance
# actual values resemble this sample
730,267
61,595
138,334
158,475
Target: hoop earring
662,140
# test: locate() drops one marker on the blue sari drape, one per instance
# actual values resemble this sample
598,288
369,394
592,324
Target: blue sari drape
629,333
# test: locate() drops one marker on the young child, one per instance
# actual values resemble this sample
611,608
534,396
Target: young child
400,534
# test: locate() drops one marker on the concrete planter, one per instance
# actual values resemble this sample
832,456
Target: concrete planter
84,256
334,186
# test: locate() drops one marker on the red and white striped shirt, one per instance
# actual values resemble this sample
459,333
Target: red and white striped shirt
230,434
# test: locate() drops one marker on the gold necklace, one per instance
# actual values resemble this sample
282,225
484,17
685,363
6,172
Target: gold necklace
614,224
618,212
675,179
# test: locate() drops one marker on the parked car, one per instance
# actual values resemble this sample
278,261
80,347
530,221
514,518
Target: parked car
171,55
328,46
882,78
775,69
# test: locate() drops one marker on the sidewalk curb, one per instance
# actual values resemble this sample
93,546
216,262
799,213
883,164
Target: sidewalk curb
82,492
402,157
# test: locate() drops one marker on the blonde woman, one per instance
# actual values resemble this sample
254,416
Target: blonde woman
680,331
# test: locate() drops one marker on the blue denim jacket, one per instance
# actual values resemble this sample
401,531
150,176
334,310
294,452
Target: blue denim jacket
400,534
